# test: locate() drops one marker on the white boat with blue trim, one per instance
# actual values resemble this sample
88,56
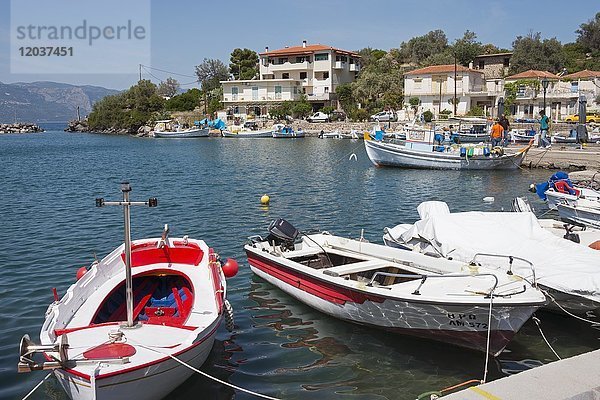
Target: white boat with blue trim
421,151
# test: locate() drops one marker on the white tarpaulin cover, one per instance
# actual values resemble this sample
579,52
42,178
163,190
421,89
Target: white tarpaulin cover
559,264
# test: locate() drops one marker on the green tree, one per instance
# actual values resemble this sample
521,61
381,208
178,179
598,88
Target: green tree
243,63
379,85
368,56
328,110
186,101
418,49
210,72
301,109
127,110
345,97
589,35
466,48
531,52
169,87
282,110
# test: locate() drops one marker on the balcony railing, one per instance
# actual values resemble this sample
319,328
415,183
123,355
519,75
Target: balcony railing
289,66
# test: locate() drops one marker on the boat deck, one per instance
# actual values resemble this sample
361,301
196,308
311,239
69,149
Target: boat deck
157,340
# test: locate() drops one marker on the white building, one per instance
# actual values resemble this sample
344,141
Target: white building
285,74
436,89
562,93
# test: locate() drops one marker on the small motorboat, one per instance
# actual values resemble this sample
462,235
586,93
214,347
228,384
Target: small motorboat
560,190
395,290
338,135
132,321
564,269
571,137
421,151
282,131
522,135
579,215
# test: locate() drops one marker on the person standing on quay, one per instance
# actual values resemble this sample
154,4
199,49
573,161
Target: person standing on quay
506,126
496,133
544,127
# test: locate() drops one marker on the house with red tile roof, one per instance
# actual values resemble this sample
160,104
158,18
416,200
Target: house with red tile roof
314,70
436,87
562,93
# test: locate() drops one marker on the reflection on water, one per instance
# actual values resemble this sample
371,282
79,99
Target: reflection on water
210,189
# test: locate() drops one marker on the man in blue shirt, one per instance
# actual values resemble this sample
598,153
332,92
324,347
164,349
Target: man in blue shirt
544,127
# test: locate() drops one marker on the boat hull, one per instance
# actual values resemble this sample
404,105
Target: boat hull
390,155
195,133
579,215
464,325
152,382
293,135
257,134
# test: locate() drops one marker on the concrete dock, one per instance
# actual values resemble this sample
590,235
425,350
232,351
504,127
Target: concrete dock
561,157
575,378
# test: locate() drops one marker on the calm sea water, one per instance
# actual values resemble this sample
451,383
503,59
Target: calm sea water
210,189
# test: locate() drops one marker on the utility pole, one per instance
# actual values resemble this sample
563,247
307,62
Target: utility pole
454,101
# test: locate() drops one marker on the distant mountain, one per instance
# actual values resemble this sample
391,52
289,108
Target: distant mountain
47,101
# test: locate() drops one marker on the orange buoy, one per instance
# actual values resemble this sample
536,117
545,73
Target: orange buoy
595,245
80,273
230,268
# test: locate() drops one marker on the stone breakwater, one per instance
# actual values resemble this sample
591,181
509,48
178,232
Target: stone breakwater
22,127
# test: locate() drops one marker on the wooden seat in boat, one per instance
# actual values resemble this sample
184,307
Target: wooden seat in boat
354,268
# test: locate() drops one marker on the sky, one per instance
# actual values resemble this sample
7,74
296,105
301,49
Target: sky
183,33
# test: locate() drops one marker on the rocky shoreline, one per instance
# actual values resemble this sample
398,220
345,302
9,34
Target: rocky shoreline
20,127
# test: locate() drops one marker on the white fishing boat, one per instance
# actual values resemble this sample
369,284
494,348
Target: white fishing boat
567,271
282,131
262,133
580,215
395,290
419,151
170,129
133,320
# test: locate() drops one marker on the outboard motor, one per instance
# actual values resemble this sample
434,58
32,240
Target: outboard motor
569,235
282,233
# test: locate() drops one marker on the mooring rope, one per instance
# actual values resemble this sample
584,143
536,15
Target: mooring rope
567,312
537,322
241,389
37,386
487,347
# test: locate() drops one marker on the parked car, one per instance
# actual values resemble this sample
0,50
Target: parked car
318,117
590,117
384,116
337,116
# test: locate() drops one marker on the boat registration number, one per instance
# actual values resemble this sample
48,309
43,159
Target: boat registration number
469,320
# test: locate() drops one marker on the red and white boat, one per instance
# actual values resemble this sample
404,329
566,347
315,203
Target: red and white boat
101,346
394,289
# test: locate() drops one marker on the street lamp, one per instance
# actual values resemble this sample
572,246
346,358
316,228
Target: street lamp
545,83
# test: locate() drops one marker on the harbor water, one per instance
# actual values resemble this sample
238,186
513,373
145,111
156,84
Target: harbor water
210,189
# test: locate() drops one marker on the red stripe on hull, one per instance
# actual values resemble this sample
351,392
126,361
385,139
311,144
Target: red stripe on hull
320,288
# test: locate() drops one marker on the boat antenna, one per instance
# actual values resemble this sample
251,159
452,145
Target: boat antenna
152,202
